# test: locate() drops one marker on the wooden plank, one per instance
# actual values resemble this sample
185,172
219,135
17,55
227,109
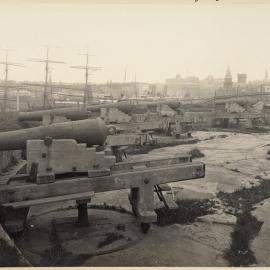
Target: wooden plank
158,162
131,165
165,187
4,179
77,196
96,173
18,177
171,204
119,181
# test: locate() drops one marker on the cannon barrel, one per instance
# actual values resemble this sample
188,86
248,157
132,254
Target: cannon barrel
124,106
73,113
127,107
83,113
89,131
70,113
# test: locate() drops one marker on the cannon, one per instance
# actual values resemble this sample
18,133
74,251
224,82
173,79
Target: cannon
64,163
89,131
70,113
83,113
128,107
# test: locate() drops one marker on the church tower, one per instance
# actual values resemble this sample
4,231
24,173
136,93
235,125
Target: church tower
228,79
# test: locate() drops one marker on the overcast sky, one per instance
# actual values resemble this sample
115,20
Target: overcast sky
156,41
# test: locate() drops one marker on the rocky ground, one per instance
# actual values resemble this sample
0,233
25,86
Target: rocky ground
222,219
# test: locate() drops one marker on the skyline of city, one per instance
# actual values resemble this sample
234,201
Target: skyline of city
154,41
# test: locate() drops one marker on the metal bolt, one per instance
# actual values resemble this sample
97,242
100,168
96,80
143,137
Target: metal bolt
48,141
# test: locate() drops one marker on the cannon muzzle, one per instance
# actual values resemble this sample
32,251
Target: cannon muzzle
89,131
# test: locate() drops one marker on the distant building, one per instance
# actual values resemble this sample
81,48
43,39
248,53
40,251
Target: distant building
266,88
228,87
191,87
158,90
228,79
241,78
182,87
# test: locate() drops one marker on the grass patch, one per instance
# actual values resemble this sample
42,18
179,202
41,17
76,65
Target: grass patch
222,136
186,213
196,153
235,170
246,229
241,203
210,138
244,199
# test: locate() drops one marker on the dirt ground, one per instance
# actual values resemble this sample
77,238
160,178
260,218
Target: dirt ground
234,162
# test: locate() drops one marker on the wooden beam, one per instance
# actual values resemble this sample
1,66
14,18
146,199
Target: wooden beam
63,198
157,162
174,173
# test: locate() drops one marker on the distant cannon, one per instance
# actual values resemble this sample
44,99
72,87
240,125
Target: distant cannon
83,113
70,113
89,131
128,107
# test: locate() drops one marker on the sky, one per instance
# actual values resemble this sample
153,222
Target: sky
155,40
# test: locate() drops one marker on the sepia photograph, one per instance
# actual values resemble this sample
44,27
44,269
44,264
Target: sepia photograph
135,133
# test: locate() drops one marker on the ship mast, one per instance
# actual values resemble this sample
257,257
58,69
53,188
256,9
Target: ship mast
47,61
88,95
6,63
